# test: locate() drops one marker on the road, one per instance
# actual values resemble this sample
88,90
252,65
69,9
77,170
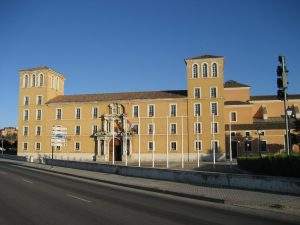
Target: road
35,197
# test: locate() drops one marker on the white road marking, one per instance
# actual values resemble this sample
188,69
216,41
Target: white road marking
82,199
28,181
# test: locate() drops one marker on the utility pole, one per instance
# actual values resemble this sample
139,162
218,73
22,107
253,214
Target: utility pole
282,85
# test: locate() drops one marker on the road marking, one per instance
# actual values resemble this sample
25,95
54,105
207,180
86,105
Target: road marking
82,199
28,181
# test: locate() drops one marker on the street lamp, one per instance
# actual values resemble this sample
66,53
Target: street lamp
289,112
259,132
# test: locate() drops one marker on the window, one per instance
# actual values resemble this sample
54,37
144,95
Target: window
262,133
151,128
33,81
233,133
247,133
25,146
195,70
198,145
38,114
26,100
95,112
197,128
151,145
41,80
263,146
204,70
37,146
215,145
214,70
25,131
58,114
136,112
77,146
173,128
78,113
26,115
95,129
135,128
38,130
197,109
39,100
173,110
213,92
26,81
77,130
197,93
233,117
214,128
151,110
214,108
173,145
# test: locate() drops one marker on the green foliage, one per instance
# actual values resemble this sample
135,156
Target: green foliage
272,164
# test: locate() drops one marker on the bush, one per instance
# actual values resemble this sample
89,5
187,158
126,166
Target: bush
276,165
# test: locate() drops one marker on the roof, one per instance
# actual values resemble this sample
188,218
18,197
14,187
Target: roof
234,84
35,68
119,96
236,103
205,57
272,97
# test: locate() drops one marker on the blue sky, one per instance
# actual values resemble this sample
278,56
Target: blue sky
132,45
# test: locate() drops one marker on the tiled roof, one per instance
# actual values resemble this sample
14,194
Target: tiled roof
205,57
236,103
272,97
119,96
234,84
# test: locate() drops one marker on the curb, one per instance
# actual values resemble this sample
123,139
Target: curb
151,189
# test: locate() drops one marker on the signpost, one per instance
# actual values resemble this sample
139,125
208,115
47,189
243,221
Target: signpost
58,137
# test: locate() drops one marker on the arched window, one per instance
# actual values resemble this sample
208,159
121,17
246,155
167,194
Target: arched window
33,80
195,70
26,81
214,70
41,80
204,70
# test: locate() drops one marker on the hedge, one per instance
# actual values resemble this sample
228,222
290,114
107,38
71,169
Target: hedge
276,165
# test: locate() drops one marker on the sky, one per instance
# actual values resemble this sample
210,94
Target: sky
136,45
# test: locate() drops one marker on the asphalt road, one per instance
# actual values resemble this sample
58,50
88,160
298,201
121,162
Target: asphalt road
30,196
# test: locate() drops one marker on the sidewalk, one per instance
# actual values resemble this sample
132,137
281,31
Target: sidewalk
252,199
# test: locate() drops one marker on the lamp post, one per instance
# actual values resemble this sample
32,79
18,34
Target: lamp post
289,112
259,132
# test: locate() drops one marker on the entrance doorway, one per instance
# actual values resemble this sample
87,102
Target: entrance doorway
117,150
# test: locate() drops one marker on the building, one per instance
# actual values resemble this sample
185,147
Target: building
171,125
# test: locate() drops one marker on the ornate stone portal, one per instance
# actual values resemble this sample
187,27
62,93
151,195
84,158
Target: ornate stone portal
114,137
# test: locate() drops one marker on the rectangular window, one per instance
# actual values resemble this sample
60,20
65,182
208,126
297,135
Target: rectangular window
77,146
26,115
95,112
77,130
25,131
151,128
197,128
215,145
37,146
213,92
197,93
38,130
214,128
95,129
39,100
151,110
25,146
173,146
135,128
78,113
197,109
150,145
214,108
198,145
263,146
26,100
233,117
247,133
38,114
173,128
173,110
58,114
136,112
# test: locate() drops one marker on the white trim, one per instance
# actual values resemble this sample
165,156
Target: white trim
195,149
170,128
61,113
194,109
36,114
77,150
148,107
75,113
27,114
217,70
93,108
170,110
212,128
37,99
217,91
216,109
200,92
39,80
207,69
198,72
153,145
75,131
24,131
195,130
133,106
170,146
232,121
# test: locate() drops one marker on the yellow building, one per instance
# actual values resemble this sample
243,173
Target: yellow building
173,125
